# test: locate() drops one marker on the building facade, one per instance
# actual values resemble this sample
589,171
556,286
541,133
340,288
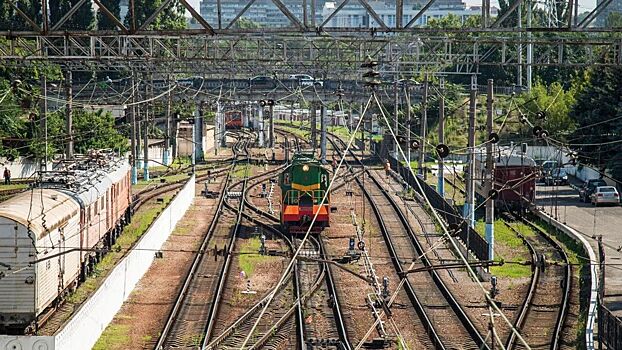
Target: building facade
354,15
263,13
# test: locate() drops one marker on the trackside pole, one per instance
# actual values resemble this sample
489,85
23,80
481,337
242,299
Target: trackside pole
469,205
441,138
490,169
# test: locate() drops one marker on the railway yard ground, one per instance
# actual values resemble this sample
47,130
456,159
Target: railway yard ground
211,281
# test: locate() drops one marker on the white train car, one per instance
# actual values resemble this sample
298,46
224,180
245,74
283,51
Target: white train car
52,235
36,225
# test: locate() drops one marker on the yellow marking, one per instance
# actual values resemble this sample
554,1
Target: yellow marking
306,188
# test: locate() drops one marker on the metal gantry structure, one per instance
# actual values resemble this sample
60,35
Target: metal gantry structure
224,49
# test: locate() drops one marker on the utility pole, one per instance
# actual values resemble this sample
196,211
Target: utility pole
424,122
261,131
44,121
469,205
133,132
395,121
490,171
529,46
323,134
313,126
408,118
195,139
217,128
223,129
271,126
146,135
519,12
441,137
167,128
69,114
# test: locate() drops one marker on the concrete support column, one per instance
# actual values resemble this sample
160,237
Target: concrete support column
313,126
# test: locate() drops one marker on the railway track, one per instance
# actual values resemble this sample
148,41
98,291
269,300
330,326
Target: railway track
542,316
444,320
192,314
314,285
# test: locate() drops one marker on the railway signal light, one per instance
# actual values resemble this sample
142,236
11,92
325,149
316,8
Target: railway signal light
371,76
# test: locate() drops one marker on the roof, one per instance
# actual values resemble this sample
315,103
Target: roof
27,207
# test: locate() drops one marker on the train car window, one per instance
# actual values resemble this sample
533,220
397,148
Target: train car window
102,206
89,213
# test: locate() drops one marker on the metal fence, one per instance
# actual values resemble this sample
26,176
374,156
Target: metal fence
611,329
448,212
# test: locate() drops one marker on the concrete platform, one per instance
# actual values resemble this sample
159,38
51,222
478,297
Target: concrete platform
562,203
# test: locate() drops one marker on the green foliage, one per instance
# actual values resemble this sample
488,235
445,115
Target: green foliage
103,22
598,114
96,130
245,23
555,101
172,17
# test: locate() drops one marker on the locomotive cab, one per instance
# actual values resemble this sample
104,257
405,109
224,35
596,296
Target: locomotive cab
304,197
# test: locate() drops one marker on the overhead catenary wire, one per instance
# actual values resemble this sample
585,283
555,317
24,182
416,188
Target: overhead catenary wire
292,261
451,240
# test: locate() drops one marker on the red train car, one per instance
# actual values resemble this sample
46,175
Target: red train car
233,120
515,179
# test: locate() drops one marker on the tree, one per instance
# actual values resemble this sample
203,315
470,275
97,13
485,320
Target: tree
172,17
82,19
103,22
555,102
598,113
96,130
58,8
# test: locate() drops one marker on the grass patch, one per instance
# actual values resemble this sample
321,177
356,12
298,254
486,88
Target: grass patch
114,336
12,187
508,242
249,255
131,233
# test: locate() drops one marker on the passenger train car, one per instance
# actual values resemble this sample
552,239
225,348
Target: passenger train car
514,179
233,120
303,186
52,235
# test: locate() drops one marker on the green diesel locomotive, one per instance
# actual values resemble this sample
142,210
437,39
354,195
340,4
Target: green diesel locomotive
303,186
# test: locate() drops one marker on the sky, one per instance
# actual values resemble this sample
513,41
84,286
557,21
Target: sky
584,5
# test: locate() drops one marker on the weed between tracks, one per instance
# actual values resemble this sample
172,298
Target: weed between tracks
510,248
249,256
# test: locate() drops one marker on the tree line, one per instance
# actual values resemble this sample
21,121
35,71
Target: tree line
87,16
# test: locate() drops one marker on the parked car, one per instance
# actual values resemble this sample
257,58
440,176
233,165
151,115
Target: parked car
306,80
605,195
547,168
589,187
557,177
262,82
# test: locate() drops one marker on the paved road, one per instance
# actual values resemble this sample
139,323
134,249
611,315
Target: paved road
563,203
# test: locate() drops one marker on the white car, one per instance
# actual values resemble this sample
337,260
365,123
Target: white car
306,80
605,195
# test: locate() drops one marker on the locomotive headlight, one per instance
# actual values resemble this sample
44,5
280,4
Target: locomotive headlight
305,167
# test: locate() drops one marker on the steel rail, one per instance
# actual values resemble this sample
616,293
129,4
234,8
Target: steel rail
173,315
459,312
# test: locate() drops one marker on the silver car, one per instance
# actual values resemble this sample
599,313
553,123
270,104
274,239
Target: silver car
605,195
